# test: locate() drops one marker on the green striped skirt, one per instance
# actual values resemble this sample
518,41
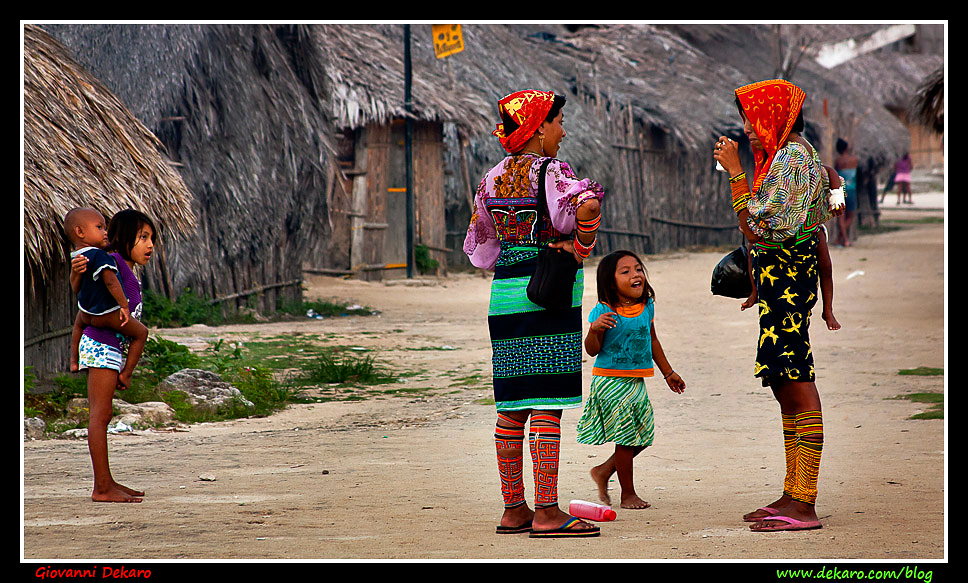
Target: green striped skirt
618,410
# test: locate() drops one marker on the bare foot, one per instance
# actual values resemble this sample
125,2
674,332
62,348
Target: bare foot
129,491
633,502
114,495
832,323
601,480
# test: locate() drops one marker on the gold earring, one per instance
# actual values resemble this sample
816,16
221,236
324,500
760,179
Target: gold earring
541,137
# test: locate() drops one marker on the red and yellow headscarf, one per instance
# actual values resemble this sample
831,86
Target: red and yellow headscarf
528,108
771,107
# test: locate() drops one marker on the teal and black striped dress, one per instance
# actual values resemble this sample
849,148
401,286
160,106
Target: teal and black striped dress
536,353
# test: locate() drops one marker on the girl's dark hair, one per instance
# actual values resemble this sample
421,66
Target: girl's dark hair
124,228
510,125
607,294
841,145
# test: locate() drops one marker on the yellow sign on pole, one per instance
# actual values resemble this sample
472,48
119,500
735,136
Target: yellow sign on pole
447,39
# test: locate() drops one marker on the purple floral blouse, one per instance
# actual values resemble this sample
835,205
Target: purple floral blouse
506,212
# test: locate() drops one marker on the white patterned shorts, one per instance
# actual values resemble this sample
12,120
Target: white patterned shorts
94,354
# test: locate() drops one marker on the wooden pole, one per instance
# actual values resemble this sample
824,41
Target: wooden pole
408,106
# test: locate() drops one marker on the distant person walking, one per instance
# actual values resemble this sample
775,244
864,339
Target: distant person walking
846,166
902,178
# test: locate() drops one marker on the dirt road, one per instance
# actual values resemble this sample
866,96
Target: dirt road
414,476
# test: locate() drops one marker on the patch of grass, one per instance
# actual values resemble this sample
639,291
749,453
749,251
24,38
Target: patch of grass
882,227
325,308
163,357
52,405
190,308
922,371
469,381
335,368
918,221
936,400
403,391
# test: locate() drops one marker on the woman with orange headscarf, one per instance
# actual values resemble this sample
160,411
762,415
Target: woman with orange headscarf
536,352
780,215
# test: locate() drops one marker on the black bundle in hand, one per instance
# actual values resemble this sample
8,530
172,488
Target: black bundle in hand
731,276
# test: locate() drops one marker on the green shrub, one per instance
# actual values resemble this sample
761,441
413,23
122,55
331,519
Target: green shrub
421,256
330,368
187,309
163,357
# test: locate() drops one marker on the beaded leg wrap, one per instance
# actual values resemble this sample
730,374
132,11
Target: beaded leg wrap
509,436
809,427
544,438
790,450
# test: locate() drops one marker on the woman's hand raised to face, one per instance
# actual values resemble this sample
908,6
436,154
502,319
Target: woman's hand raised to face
726,152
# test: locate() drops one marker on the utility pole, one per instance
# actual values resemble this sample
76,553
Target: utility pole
408,106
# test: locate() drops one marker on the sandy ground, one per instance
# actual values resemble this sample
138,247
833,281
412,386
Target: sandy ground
414,477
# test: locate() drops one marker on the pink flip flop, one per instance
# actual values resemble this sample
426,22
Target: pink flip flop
791,524
767,509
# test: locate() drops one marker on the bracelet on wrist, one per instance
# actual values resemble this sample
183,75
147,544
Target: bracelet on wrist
740,194
739,204
671,372
583,250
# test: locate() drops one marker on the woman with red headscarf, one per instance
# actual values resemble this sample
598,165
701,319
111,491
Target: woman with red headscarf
780,215
536,353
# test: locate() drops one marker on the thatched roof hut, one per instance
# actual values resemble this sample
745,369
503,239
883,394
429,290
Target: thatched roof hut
648,100
269,124
81,147
927,105
239,108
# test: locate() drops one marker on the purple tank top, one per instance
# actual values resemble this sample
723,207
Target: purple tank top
132,291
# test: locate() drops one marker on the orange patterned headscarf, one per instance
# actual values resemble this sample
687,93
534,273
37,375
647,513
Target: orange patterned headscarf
771,107
528,108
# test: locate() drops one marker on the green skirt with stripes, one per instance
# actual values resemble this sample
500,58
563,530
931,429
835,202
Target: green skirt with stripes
536,353
618,410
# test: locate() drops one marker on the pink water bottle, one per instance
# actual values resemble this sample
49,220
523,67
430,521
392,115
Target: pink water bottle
591,511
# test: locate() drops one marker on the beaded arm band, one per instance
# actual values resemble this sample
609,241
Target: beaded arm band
741,192
586,228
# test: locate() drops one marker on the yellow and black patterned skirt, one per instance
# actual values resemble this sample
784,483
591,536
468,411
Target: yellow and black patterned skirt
786,277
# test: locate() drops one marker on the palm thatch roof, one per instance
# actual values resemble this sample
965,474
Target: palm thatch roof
863,89
82,147
250,110
927,105
238,107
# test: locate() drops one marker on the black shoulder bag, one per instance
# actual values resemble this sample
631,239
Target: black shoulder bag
553,280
